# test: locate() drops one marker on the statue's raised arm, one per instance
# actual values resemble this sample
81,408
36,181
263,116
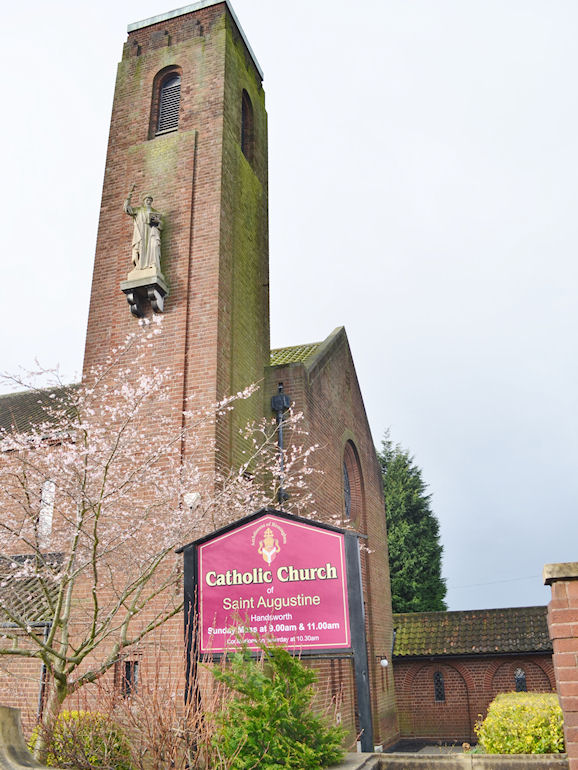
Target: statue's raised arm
128,209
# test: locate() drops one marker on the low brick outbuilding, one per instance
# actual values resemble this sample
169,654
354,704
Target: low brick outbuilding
448,666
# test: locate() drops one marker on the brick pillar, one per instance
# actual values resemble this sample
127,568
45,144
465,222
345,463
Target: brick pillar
563,627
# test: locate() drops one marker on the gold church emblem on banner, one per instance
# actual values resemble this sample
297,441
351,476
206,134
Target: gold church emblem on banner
269,546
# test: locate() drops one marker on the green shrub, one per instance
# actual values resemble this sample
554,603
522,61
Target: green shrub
270,723
86,740
522,723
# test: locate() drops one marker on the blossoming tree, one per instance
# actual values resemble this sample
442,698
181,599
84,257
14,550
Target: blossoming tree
93,510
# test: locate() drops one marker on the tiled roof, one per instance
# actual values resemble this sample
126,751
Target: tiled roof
471,632
293,355
18,411
27,598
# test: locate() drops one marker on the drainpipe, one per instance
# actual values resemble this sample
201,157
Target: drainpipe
43,675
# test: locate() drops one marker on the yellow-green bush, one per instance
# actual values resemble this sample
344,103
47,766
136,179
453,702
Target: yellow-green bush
86,740
522,723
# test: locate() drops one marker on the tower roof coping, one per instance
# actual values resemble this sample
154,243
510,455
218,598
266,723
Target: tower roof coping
190,9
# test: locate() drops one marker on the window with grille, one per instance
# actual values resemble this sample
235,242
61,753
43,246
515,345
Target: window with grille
169,103
520,680
439,687
126,677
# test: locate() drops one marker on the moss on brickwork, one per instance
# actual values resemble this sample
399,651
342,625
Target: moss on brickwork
248,311
138,68
159,160
295,354
161,157
244,288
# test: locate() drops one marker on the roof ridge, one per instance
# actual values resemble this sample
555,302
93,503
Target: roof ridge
290,347
462,612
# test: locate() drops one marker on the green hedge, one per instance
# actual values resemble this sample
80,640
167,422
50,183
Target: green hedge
522,723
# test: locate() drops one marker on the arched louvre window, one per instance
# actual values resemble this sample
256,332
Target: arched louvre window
520,680
439,687
169,103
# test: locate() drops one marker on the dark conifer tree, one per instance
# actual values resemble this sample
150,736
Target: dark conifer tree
415,552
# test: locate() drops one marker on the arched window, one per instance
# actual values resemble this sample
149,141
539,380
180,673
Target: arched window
247,128
439,687
520,680
352,485
169,103
346,491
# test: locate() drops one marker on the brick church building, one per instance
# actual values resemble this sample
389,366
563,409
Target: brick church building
189,130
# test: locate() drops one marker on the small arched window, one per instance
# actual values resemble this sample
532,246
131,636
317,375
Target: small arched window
169,103
439,687
247,128
346,491
520,680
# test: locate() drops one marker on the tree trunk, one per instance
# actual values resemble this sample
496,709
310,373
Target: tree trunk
56,694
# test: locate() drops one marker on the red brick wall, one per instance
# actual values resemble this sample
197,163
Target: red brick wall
470,686
327,391
563,627
20,685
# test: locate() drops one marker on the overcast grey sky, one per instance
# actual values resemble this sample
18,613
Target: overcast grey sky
423,166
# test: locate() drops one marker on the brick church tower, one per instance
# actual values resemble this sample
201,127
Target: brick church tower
189,127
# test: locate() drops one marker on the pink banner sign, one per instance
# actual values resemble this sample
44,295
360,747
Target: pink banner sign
273,577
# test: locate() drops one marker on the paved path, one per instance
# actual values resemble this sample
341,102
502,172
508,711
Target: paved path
355,761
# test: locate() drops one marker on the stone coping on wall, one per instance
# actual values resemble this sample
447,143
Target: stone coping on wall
567,570
14,754
453,762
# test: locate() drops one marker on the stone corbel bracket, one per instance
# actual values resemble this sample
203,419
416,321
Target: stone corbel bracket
144,286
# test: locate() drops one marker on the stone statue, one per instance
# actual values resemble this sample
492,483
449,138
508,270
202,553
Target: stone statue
146,238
